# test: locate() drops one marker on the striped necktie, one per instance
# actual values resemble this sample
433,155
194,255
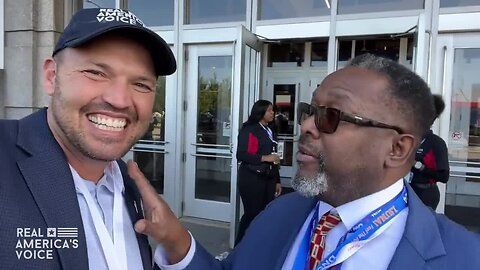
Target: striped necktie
317,243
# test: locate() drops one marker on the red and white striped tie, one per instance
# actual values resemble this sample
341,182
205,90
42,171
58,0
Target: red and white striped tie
317,243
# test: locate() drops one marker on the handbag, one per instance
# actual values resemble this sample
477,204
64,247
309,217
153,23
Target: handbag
263,169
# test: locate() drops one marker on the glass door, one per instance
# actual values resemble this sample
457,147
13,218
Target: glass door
285,95
208,132
149,152
460,125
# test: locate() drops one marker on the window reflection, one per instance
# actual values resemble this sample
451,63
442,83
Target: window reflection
284,100
382,46
458,3
214,94
153,13
319,54
156,129
148,153
214,11
462,198
212,179
286,54
366,6
281,9
99,3
152,166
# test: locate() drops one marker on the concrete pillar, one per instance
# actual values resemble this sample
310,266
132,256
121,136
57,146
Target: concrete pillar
31,29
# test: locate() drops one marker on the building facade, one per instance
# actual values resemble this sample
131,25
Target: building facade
233,52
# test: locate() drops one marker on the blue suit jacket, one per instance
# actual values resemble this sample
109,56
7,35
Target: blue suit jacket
37,191
430,240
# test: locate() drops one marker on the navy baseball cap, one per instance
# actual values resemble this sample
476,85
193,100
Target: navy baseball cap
90,23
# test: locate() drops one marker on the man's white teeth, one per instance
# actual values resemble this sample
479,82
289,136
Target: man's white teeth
107,123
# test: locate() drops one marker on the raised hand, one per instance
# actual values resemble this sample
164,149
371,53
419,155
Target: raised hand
160,222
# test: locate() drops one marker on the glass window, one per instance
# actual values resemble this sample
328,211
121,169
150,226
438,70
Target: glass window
319,54
153,13
214,93
284,100
148,151
385,47
98,3
286,54
152,166
366,6
214,11
212,177
459,3
344,52
281,9
388,48
462,200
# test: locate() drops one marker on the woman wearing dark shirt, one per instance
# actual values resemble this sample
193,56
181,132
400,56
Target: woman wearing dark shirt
258,176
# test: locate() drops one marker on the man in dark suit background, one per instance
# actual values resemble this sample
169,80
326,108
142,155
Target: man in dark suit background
353,208
66,200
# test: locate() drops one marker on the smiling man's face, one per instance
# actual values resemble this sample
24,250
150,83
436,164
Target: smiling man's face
102,96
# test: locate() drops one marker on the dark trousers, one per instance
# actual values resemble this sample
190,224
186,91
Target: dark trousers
256,192
430,196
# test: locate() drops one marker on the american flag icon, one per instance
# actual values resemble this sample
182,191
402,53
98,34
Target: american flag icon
67,232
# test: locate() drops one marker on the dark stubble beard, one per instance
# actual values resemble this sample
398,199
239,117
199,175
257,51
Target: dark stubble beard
77,138
311,185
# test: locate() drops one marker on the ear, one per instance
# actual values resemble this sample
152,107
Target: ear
403,147
49,75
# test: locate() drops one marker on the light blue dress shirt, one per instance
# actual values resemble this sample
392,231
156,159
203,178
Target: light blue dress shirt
103,194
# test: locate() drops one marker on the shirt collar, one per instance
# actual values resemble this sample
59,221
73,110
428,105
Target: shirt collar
351,213
111,175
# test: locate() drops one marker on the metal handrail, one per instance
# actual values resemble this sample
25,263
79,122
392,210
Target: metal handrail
467,176
149,151
215,156
464,162
153,141
211,145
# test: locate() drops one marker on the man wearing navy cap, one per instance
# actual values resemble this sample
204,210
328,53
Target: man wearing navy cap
66,200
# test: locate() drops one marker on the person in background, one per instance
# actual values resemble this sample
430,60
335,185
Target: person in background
431,163
258,175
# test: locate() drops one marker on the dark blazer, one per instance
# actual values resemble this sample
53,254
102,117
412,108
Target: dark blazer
37,191
253,143
430,240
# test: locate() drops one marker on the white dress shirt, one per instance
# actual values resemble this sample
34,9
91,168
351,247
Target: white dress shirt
103,194
377,253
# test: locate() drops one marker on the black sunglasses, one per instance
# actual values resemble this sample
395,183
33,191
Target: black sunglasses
327,119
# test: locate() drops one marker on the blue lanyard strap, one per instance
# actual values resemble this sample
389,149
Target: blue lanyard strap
363,230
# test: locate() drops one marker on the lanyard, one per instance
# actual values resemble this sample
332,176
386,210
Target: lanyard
113,249
269,132
364,231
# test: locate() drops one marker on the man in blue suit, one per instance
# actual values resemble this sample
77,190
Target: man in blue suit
66,200
352,208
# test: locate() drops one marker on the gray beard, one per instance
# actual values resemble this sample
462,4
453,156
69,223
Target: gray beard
310,186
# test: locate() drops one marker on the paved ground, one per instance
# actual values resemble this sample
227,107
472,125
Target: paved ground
213,235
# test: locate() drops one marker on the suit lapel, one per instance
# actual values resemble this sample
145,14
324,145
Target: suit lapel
134,206
50,181
421,240
297,214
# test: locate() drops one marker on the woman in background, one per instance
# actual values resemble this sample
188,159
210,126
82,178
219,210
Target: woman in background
258,176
